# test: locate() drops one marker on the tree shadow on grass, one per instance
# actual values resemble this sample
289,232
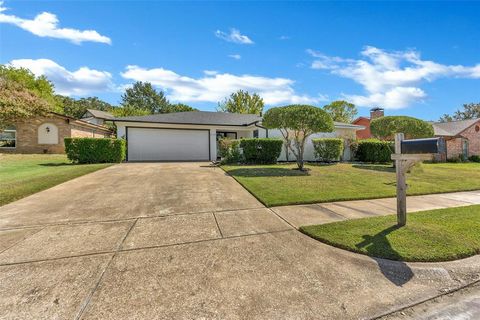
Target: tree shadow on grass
267,172
398,272
374,168
63,164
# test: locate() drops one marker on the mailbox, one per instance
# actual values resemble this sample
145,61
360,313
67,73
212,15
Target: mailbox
419,146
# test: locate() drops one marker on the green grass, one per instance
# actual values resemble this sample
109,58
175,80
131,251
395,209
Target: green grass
276,185
23,175
436,235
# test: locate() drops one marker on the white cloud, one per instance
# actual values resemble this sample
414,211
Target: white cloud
234,36
81,82
391,79
215,87
45,24
235,56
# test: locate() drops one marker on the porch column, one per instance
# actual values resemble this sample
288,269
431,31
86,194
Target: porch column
213,144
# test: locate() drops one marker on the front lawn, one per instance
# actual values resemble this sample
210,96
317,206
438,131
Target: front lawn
436,235
23,175
276,185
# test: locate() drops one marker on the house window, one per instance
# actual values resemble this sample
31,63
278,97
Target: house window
8,137
255,133
47,134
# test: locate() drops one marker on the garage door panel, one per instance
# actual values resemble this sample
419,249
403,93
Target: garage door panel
152,144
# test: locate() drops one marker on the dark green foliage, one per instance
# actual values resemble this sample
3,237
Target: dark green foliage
385,127
469,111
77,107
230,151
261,151
474,158
142,95
373,150
328,149
93,150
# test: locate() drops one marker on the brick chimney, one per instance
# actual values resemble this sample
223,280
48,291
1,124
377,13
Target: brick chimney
376,113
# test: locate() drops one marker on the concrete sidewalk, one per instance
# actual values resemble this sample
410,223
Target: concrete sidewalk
320,213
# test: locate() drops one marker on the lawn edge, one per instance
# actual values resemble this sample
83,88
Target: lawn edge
293,203
28,195
353,250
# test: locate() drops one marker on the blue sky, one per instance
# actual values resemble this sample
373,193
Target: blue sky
414,58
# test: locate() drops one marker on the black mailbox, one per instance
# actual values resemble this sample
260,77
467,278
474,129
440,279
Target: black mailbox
417,146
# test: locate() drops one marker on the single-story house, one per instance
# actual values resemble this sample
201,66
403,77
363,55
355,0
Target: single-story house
462,137
96,117
193,136
45,134
365,122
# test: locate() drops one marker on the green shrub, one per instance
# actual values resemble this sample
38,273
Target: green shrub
373,150
93,150
328,149
261,150
229,151
474,158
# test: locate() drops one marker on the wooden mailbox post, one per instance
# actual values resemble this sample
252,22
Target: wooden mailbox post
407,153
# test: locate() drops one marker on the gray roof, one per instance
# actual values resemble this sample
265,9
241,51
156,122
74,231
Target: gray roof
197,117
452,128
101,114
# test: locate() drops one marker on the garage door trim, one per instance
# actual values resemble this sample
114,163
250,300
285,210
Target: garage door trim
158,128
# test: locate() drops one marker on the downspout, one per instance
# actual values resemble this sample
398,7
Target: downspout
262,127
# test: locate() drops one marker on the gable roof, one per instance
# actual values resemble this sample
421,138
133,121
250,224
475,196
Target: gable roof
197,117
452,128
80,122
100,114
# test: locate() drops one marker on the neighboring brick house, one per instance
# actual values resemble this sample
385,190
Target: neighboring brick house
364,121
462,137
45,134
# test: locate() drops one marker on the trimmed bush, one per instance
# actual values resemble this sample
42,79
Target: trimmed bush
93,150
328,149
373,150
474,158
261,150
229,151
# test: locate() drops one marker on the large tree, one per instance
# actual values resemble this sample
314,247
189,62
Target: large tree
142,95
385,127
40,86
180,107
469,111
18,103
341,111
23,96
297,123
242,102
77,108
128,111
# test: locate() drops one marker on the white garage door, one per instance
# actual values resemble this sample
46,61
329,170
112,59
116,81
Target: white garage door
153,144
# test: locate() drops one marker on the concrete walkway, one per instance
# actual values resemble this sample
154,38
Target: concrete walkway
186,241
304,215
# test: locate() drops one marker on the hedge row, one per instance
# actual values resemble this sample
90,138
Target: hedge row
261,150
373,150
328,149
95,150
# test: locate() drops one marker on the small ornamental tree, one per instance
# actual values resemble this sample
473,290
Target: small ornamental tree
385,127
297,123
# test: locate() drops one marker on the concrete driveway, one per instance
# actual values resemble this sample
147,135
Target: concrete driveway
185,241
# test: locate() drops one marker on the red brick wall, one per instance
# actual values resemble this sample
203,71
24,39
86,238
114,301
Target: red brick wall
455,146
473,137
365,133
